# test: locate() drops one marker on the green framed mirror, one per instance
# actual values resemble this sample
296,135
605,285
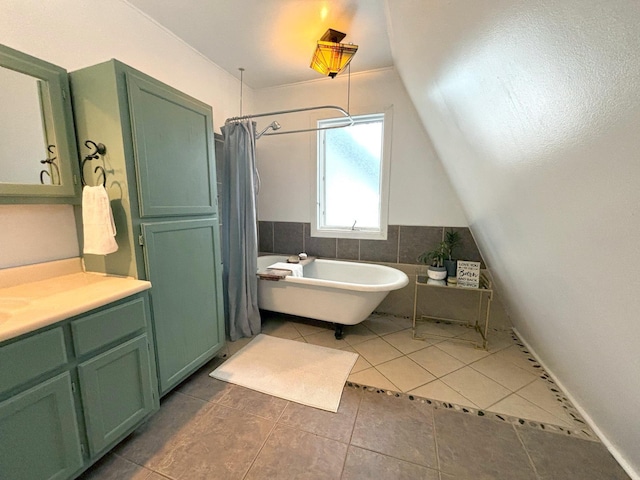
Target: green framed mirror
38,156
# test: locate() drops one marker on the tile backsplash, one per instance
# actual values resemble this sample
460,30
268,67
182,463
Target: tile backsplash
404,243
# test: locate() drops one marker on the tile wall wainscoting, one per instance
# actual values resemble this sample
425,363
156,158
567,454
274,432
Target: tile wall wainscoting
401,249
403,244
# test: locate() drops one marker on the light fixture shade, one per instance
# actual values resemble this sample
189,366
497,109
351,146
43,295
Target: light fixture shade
330,58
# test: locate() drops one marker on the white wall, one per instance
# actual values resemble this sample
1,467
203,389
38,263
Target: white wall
40,232
76,34
534,109
420,192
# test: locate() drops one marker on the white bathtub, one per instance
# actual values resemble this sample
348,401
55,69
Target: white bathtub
344,293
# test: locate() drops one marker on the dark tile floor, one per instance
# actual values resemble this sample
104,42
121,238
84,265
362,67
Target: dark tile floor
208,429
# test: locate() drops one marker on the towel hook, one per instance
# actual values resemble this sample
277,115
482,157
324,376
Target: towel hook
42,172
51,160
98,150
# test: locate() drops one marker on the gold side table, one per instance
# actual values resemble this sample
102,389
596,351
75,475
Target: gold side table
480,324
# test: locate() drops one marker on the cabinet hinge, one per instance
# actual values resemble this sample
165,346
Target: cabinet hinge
64,94
140,240
83,449
75,179
73,387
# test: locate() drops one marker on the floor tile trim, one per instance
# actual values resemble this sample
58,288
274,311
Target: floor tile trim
521,422
581,424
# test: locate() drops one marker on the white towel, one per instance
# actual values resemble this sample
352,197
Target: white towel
97,219
294,268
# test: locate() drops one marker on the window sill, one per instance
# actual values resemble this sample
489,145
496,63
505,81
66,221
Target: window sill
347,233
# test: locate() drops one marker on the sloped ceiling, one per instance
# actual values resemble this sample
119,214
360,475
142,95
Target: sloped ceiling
273,40
533,108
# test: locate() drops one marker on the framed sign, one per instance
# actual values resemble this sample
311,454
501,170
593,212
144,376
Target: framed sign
468,274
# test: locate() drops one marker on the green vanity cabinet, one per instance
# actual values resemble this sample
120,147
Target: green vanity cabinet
117,392
116,377
72,391
161,179
39,432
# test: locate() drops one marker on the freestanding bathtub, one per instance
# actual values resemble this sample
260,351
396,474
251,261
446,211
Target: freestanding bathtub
344,293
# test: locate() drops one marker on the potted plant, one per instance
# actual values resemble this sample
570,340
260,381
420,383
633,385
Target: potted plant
452,240
435,260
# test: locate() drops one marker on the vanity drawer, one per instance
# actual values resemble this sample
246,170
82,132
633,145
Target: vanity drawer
31,357
107,326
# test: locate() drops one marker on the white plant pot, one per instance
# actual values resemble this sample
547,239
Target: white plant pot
437,273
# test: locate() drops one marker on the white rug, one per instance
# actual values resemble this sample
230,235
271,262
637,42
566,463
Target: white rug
296,371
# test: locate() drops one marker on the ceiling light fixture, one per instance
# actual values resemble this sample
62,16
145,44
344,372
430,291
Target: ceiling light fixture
331,56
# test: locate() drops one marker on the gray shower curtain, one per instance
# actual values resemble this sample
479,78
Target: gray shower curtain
239,235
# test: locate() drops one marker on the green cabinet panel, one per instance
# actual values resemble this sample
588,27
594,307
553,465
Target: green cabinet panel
104,327
186,298
32,357
116,392
39,433
173,141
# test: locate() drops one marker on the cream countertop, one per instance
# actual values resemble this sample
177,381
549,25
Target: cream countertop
35,296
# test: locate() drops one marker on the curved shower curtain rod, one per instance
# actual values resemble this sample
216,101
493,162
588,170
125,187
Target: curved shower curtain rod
295,110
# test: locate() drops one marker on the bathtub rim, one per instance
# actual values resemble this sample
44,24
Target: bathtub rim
401,281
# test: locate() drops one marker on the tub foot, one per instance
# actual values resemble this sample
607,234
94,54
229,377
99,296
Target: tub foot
339,331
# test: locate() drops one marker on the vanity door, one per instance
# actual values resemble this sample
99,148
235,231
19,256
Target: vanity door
41,425
117,392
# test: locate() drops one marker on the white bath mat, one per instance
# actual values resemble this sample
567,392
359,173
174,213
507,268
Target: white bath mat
296,371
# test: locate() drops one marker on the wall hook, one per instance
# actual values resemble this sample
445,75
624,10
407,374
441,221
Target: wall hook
98,149
50,161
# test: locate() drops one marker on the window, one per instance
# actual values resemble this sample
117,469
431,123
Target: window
353,182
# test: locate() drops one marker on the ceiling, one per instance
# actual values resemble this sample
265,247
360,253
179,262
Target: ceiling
273,40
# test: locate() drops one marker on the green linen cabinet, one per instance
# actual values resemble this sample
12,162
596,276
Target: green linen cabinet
161,179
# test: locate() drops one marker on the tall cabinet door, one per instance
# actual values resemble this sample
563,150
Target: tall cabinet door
183,266
174,153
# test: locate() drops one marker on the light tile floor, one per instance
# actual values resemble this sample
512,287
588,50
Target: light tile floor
504,379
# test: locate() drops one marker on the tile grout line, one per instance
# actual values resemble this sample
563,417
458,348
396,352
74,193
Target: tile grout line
353,428
435,440
533,465
266,439
536,404
416,363
562,423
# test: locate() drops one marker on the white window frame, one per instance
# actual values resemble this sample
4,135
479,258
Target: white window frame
348,232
